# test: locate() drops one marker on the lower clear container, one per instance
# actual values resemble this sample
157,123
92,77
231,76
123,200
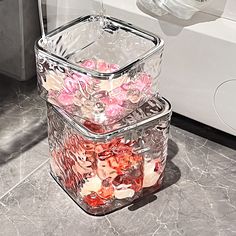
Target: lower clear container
104,168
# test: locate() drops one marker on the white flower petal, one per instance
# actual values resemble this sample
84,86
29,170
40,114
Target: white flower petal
93,184
124,193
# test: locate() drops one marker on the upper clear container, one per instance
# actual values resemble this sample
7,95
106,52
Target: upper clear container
98,68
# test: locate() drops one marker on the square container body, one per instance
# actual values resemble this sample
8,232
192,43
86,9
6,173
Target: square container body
104,168
98,68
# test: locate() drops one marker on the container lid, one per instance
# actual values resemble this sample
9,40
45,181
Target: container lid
100,37
156,110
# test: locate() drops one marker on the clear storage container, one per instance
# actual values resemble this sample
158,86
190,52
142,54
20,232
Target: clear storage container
98,68
104,168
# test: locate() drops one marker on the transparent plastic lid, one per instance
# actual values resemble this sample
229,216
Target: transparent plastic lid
157,110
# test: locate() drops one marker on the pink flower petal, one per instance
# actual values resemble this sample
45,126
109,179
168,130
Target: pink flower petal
114,110
65,99
102,66
71,85
114,67
144,82
119,94
90,64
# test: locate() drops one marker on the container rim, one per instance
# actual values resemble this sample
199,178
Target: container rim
164,103
156,40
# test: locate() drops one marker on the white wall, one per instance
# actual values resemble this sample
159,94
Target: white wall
223,8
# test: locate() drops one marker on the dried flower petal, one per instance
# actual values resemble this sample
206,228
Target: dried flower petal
104,170
89,63
150,175
143,83
106,192
134,95
65,99
103,66
94,200
114,67
124,193
93,127
54,81
93,184
109,85
71,85
114,111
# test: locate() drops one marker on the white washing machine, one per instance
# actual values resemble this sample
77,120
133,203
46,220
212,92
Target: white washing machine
199,64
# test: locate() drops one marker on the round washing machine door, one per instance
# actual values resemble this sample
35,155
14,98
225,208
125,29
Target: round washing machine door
225,103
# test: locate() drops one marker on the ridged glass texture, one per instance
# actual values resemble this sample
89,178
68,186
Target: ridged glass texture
100,69
104,168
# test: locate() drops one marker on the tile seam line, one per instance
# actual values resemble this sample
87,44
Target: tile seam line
205,145
211,149
21,181
223,155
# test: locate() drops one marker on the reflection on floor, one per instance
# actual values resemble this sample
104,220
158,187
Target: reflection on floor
23,130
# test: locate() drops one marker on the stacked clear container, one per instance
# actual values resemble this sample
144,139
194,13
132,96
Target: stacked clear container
98,68
107,124
104,168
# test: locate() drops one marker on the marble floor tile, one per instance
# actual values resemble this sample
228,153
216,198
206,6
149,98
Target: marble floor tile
198,130
225,151
198,198
22,117
23,131
15,170
193,139
186,138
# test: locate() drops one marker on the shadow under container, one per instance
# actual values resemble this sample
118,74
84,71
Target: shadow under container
104,168
98,68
